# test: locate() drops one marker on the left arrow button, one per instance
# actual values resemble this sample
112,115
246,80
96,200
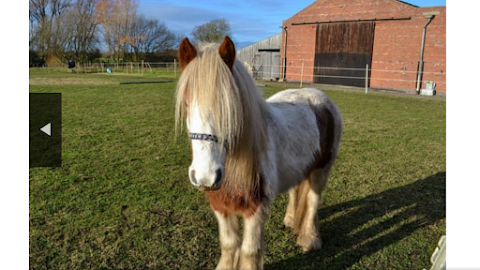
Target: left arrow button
47,129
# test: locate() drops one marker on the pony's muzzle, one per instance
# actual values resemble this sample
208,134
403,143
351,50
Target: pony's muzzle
206,182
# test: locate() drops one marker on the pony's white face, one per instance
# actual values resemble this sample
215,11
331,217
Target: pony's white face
205,104
207,170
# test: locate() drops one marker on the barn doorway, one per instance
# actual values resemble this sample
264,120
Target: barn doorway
342,51
266,64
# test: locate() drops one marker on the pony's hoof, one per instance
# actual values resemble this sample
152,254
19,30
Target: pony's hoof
288,221
250,262
309,243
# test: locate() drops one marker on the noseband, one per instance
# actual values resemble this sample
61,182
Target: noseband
203,137
206,137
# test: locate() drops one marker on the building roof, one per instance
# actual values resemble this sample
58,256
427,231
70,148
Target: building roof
406,3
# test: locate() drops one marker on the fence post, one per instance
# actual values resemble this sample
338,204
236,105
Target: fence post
366,80
301,75
175,67
142,67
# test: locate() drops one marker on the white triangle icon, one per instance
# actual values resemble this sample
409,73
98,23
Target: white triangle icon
47,129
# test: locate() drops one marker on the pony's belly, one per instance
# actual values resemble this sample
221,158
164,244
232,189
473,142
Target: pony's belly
287,180
296,167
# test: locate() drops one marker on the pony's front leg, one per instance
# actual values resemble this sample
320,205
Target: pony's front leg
251,255
229,240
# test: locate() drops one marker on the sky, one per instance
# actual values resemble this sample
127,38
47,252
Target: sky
250,21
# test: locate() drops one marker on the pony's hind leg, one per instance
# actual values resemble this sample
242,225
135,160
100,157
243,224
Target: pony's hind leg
229,240
308,235
292,201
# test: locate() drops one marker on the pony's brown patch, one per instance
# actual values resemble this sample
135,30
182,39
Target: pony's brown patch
326,129
239,201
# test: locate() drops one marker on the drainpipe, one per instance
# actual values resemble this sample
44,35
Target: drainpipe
284,55
422,48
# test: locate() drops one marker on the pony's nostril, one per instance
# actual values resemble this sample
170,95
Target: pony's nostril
192,177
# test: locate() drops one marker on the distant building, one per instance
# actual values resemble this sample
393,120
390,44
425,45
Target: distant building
336,39
262,59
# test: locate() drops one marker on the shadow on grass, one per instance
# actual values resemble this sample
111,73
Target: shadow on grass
361,227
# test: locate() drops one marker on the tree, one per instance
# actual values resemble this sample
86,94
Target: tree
149,36
65,29
116,17
48,35
213,31
82,27
70,29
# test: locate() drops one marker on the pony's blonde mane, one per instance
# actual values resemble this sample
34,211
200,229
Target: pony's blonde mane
232,101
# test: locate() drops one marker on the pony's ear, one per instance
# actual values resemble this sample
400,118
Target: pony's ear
227,52
186,53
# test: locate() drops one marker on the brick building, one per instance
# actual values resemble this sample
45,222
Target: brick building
334,40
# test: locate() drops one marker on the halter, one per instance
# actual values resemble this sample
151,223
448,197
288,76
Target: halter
204,137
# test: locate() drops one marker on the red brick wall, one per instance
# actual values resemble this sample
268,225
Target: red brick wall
396,49
300,47
436,49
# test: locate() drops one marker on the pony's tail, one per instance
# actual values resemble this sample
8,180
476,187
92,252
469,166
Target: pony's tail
301,205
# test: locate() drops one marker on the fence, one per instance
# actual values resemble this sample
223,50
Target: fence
366,77
165,69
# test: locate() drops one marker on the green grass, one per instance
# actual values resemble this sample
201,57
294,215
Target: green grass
122,199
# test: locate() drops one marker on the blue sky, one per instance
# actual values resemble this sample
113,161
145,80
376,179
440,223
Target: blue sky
251,21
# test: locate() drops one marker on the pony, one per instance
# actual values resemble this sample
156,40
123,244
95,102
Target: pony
246,150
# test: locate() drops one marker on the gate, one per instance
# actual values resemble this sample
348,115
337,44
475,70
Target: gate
342,51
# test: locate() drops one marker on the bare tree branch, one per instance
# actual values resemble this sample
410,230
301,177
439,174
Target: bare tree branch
149,36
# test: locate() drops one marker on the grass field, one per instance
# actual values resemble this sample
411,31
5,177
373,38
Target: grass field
122,199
